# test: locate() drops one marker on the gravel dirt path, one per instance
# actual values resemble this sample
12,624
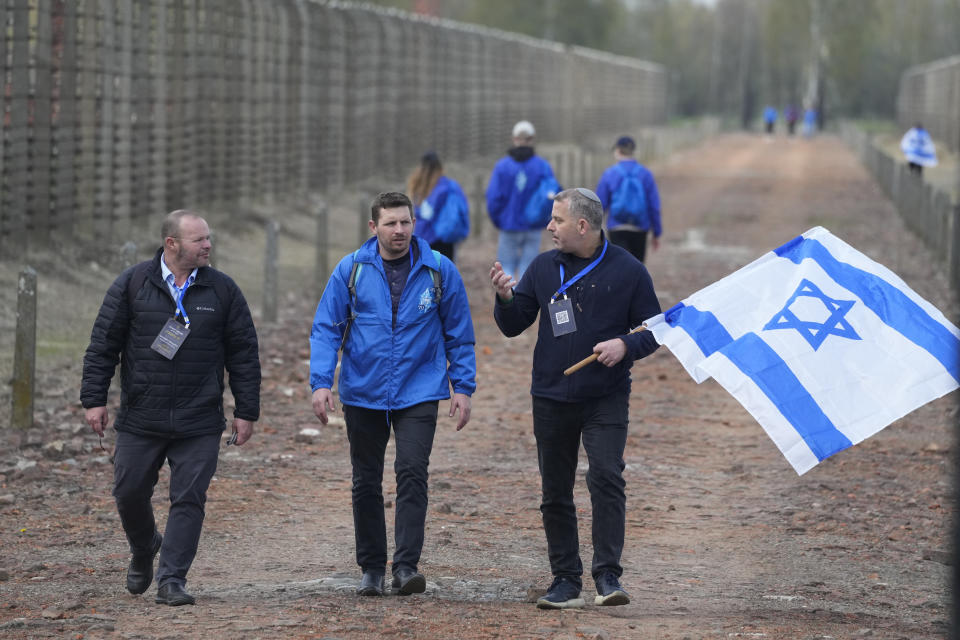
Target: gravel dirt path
723,538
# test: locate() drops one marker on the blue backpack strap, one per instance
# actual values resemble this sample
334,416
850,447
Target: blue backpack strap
352,293
437,280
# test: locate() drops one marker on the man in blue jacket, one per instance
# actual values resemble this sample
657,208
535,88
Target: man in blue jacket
514,182
400,313
629,228
588,294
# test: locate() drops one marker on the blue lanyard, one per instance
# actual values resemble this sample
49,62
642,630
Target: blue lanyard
179,301
565,285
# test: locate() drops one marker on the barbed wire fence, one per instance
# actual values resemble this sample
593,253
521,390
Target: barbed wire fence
116,111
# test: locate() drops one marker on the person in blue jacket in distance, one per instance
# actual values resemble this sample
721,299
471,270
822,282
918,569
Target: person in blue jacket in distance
513,183
405,342
439,205
630,234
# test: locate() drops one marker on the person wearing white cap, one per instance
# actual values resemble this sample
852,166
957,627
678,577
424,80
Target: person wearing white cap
518,200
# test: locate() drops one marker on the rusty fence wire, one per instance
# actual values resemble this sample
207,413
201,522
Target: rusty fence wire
115,110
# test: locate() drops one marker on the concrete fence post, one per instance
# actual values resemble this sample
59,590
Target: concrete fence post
128,254
270,278
25,350
322,245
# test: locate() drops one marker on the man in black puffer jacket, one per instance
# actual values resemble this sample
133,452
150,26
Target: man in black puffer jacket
173,323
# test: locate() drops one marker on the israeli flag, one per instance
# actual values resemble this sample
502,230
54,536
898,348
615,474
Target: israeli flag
822,345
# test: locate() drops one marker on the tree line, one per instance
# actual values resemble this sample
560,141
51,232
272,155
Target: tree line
732,57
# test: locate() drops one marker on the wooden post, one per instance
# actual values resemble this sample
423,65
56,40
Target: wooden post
478,211
270,279
25,350
363,229
321,243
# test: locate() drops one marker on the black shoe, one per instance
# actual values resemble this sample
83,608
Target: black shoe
371,584
406,581
140,570
609,591
173,594
564,593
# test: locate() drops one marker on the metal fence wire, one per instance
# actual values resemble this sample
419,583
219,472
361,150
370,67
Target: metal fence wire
118,109
930,93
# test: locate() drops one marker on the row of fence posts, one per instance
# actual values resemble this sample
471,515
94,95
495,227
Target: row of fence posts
576,164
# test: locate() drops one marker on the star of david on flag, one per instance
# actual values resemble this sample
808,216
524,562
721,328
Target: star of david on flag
822,345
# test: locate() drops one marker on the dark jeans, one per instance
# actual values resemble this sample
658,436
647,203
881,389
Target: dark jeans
559,427
137,463
633,241
369,431
445,248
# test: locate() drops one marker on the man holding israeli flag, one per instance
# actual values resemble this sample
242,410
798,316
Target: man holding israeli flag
823,346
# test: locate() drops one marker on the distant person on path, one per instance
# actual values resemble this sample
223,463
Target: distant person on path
918,148
589,294
518,200
174,324
809,122
401,315
629,195
440,206
791,115
769,119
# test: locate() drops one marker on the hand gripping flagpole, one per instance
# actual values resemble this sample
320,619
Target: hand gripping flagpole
592,357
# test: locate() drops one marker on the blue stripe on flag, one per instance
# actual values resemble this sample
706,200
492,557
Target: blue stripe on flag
890,304
769,372
702,326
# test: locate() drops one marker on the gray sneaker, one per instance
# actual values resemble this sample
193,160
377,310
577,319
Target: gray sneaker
609,591
562,594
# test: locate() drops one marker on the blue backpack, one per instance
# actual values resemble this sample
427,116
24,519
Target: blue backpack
628,204
539,206
452,223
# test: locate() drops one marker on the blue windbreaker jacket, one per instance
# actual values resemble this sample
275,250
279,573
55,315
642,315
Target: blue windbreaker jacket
429,226
511,185
386,367
609,182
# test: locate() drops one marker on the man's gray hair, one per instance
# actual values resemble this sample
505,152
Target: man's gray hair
171,224
583,203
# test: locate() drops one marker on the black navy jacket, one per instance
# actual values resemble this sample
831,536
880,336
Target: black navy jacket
182,397
616,296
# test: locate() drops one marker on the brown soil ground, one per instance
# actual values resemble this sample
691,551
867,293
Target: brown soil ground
723,539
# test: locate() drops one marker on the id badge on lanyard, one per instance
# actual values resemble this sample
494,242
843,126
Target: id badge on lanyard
561,317
173,334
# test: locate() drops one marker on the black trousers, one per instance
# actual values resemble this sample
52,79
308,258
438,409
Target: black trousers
559,427
137,463
369,431
445,248
633,241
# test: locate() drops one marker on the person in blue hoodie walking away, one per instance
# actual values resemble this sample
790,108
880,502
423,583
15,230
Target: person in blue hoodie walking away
399,311
439,205
518,200
629,195
589,294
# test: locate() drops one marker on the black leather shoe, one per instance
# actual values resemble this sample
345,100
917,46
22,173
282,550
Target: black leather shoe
371,584
406,582
173,594
140,571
